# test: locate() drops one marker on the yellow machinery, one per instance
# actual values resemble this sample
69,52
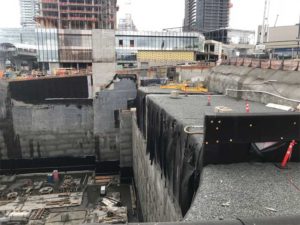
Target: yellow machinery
186,87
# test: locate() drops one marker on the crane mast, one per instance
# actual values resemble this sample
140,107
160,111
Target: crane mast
264,27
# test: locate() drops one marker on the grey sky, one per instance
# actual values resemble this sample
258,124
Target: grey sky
159,14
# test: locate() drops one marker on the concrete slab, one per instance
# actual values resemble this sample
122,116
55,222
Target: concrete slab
192,109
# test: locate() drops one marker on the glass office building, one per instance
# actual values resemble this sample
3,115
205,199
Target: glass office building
232,36
128,43
67,47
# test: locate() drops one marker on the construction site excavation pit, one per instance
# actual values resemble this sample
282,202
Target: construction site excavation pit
66,198
65,156
133,155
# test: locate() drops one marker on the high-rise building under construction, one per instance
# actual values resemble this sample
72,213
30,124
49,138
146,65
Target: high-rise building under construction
28,12
206,15
64,31
77,14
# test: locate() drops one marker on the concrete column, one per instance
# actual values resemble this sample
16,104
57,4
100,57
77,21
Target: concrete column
104,62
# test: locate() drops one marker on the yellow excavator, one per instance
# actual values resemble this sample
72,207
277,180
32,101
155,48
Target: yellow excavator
186,87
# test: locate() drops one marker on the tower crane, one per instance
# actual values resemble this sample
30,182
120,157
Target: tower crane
265,24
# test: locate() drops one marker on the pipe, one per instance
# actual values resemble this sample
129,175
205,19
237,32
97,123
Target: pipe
187,129
263,92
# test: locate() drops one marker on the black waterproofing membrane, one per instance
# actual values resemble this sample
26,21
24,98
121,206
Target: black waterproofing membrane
38,90
181,157
177,154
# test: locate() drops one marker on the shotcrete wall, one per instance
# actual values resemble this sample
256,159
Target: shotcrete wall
254,80
258,82
157,204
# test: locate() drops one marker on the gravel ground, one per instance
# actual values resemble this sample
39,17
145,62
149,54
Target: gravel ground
246,191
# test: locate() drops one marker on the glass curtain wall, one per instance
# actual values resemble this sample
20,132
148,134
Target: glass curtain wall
128,43
47,42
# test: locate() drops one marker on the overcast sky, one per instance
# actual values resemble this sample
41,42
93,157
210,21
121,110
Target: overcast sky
160,14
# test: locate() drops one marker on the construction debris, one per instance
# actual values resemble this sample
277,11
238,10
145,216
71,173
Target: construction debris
58,198
222,109
110,215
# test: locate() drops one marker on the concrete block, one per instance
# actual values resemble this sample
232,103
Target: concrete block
157,202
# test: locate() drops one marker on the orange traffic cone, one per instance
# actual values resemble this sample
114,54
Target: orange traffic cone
247,107
209,100
288,154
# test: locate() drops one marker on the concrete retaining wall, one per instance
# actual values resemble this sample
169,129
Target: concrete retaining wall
192,73
106,105
125,139
66,127
56,130
277,82
256,80
157,204
3,99
3,149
